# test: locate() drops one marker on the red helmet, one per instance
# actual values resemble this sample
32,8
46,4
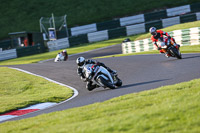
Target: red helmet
153,31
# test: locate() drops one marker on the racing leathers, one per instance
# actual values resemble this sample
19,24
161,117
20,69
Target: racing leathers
89,85
159,36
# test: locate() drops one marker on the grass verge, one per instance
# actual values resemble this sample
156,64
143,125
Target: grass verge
18,89
91,46
173,108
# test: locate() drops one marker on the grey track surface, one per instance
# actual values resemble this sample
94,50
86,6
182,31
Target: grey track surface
138,73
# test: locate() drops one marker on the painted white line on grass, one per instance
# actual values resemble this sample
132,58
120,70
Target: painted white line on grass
39,106
6,117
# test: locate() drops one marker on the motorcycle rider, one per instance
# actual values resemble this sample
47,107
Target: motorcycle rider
61,56
64,53
158,35
81,61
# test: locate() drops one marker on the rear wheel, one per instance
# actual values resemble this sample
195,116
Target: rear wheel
176,53
106,83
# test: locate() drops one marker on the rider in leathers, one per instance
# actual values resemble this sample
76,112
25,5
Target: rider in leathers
81,61
158,35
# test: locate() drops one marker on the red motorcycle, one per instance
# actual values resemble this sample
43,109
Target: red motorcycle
169,48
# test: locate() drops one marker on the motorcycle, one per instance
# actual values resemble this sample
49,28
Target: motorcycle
59,57
101,76
62,56
168,46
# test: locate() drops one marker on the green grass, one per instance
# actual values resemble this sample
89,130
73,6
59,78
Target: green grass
91,46
17,15
173,108
18,89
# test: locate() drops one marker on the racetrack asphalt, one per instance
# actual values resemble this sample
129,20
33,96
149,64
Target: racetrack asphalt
138,73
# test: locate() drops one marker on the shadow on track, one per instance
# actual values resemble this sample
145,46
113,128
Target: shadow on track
190,57
142,83
131,85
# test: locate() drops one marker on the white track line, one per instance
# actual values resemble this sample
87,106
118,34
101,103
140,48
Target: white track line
40,106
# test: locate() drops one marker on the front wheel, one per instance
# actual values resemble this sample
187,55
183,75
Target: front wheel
106,83
119,82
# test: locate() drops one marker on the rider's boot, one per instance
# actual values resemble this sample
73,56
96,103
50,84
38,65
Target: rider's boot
167,55
90,86
112,71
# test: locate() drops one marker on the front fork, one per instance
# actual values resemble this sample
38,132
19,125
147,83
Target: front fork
172,42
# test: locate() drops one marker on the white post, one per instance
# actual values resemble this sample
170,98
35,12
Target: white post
54,26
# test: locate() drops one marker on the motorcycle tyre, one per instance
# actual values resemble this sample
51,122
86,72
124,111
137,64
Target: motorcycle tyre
105,83
119,82
175,52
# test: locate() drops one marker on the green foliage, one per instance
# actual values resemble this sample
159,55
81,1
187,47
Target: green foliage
18,89
18,15
173,108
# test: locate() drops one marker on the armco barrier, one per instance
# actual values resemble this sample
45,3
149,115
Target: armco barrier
136,19
58,44
98,36
156,23
170,21
135,29
8,54
108,25
188,18
114,33
183,37
125,30
83,29
80,39
178,10
198,15
132,20
30,50
195,7
155,15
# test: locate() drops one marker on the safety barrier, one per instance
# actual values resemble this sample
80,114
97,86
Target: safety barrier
121,31
58,44
83,29
178,10
30,50
183,37
130,25
98,36
8,54
136,19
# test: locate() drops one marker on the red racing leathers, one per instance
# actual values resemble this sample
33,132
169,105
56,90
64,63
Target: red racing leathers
159,36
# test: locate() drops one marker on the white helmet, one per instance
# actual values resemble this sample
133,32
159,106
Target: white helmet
152,30
64,51
80,61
